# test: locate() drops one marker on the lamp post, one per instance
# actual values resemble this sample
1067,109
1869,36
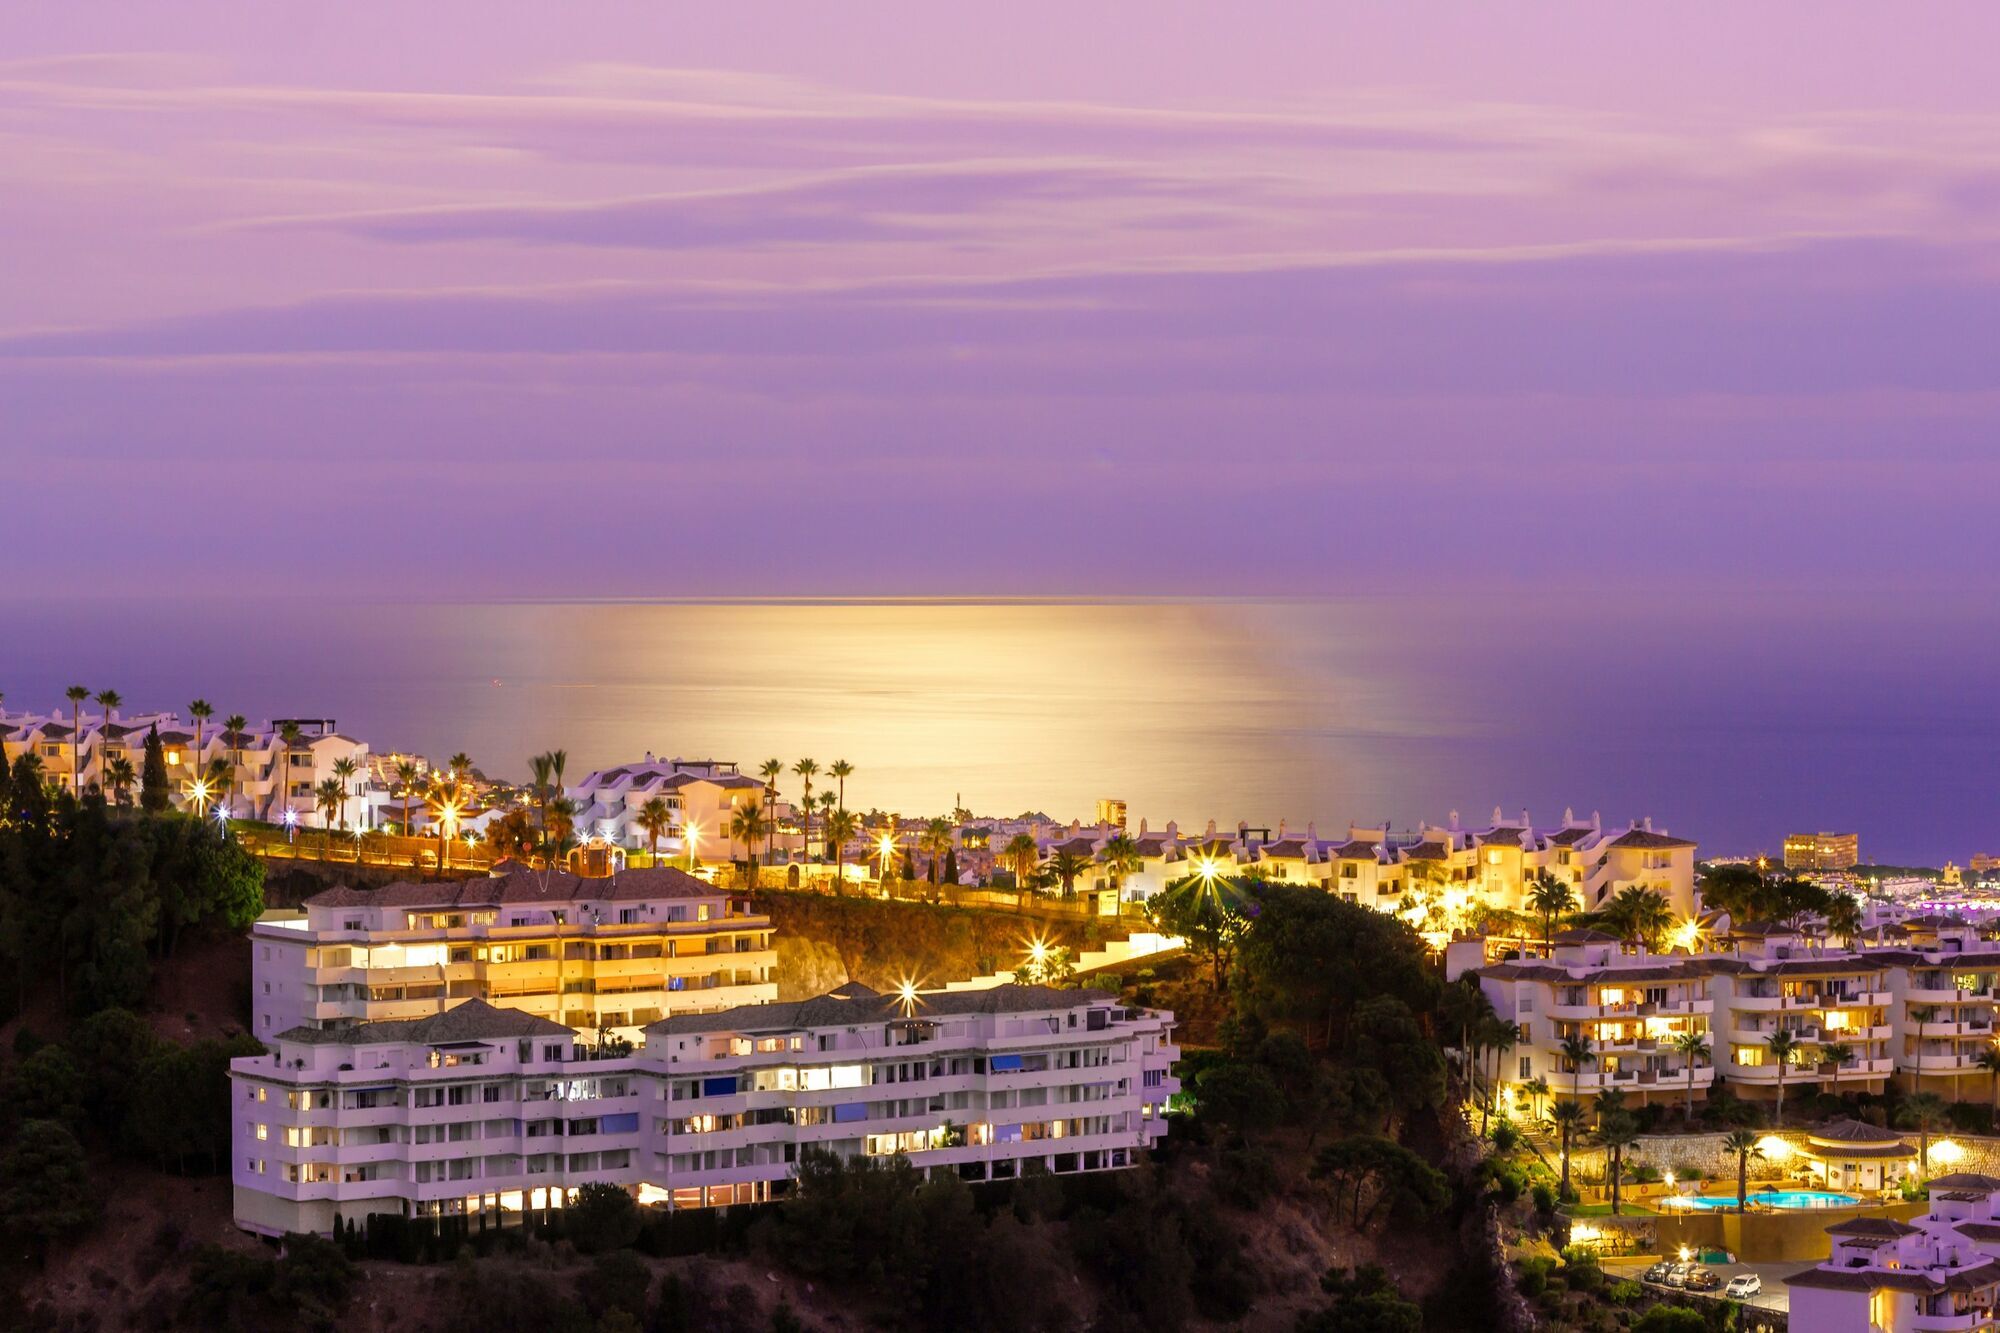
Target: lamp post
692,836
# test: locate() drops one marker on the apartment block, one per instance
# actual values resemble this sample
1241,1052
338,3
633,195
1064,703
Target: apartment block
1938,1273
613,953
1822,851
482,1110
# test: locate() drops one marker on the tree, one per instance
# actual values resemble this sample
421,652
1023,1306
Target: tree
1238,1094
806,768
746,825
1567,1117
841,828
951,865
654,819
1923,1112
1370,1175
603,1218
1835,1053
1671,1319
201,711
1578,1052
1743,1143
935,841
1365,1302
327,798
232,735
406,782
1121,858
1783,1045
108,700
45,1190
1691,1046
1619,1131
154,785
1640,916
840,771
120,777
76,694
1843,918
344,769
1550,898
1211,913
1496,1037
1068,866
1021,855
281,786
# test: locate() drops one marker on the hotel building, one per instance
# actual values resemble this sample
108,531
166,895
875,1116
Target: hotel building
1933,1274
1822,851
617,952
486,1110
698,793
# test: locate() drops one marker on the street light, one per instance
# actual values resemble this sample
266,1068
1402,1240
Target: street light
692,835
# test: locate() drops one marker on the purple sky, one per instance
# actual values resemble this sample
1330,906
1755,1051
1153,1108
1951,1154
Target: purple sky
461,299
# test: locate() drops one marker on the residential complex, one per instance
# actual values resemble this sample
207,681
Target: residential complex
268,775
611,953
1917,1007
1822,851
700,796
1934,1273
482,1110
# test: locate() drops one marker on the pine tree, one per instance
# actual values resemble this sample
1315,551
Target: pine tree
153,781
951,866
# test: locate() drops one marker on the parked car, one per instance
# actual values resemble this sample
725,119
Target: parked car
1704,1279
1677,1276
1658,1272
1743,1286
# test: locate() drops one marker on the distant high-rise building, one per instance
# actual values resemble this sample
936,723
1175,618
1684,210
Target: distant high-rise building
1822,851
1110,812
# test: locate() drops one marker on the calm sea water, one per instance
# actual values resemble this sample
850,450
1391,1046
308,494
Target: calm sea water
1729,723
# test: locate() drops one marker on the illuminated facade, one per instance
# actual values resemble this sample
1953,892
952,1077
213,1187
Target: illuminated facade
1822,851
1930,1274
698,793
485,1110
617,952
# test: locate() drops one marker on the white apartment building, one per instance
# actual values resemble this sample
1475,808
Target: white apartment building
1939,1273
268,776
486,1110
618,952
699,793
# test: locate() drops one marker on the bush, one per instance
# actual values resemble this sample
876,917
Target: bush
1506,1138
1623,1292
1536,1271
1544,1195
603,1218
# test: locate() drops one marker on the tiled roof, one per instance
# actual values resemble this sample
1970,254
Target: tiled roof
1888,1228
524,886
1426,851
1853,1131
854,1005
1502,837
473,1020
1864,1279
1566,836
1965,1180
1640,837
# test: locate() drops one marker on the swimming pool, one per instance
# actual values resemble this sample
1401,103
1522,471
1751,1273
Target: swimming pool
1794,1200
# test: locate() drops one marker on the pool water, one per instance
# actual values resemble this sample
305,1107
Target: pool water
1787,1199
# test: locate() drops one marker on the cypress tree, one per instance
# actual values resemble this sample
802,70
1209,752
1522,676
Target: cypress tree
153,781
951,865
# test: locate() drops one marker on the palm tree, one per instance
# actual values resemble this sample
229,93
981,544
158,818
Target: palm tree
343,771
1693,1047
840,770
232,727
406,780
561,831
827,802
1607,1103
1576,1049
1497,1036
327,798
288,736
1989,1064
201,710
542,785
1567,1118
1551,897
1021,855
1068,866
1843,918
1641,916
1923,1015
1783,1046
772,769
1835,1053
655,819
1742,1142
1923,1112
1619,1132
120,776
1121,858
841,825
108,700
76,694
461,764
805,768
1538,1091
747,825
936,840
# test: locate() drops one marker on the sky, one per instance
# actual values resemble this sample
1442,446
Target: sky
491,300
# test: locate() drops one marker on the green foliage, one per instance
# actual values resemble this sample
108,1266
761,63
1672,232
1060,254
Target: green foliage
1212,914
603,1218
1370,1176
1671,1319
155,787
179,1109
1364,1300
1310,959
619,1280
45,1189
1544,1195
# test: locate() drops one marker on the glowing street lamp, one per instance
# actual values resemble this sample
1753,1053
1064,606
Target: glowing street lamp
692,834
906,996
291,823
200,793
885,847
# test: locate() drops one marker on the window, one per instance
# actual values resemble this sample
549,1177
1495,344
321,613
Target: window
1527,1067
